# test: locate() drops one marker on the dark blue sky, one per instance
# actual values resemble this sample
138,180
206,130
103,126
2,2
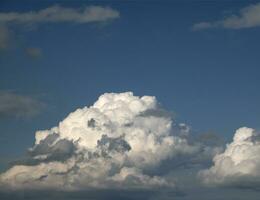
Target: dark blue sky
209,78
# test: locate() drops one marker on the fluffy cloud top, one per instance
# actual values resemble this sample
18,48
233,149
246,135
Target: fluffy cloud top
239,165
248,17
61,14
112,144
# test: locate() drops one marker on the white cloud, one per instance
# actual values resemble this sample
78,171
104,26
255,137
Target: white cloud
239,165
248,17
15,105
55,14
112,144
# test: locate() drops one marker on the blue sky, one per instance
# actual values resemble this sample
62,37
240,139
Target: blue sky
208,78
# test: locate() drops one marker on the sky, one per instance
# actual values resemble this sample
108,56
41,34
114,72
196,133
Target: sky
200,59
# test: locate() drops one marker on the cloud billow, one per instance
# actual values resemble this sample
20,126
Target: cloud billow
127,142
110,145
239,165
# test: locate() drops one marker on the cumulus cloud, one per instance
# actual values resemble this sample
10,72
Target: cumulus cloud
15,105
55,14
248,17
239,164
118,142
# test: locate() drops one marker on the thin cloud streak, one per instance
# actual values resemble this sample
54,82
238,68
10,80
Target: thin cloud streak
56,14
21,106
248,17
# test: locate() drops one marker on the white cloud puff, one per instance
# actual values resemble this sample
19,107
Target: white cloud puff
239,164
116,143
248,17
57,13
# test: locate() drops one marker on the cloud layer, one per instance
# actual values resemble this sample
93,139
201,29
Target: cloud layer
57,13
248,17
239,165
15,105
116,143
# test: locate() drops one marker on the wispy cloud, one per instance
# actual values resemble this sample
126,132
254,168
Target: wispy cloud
248,17
4,38
15,105
55,14
33,52
52,14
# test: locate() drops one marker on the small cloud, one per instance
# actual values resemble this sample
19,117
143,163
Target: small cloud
33,52
55,14
248,17
15,105
4,38
202,25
